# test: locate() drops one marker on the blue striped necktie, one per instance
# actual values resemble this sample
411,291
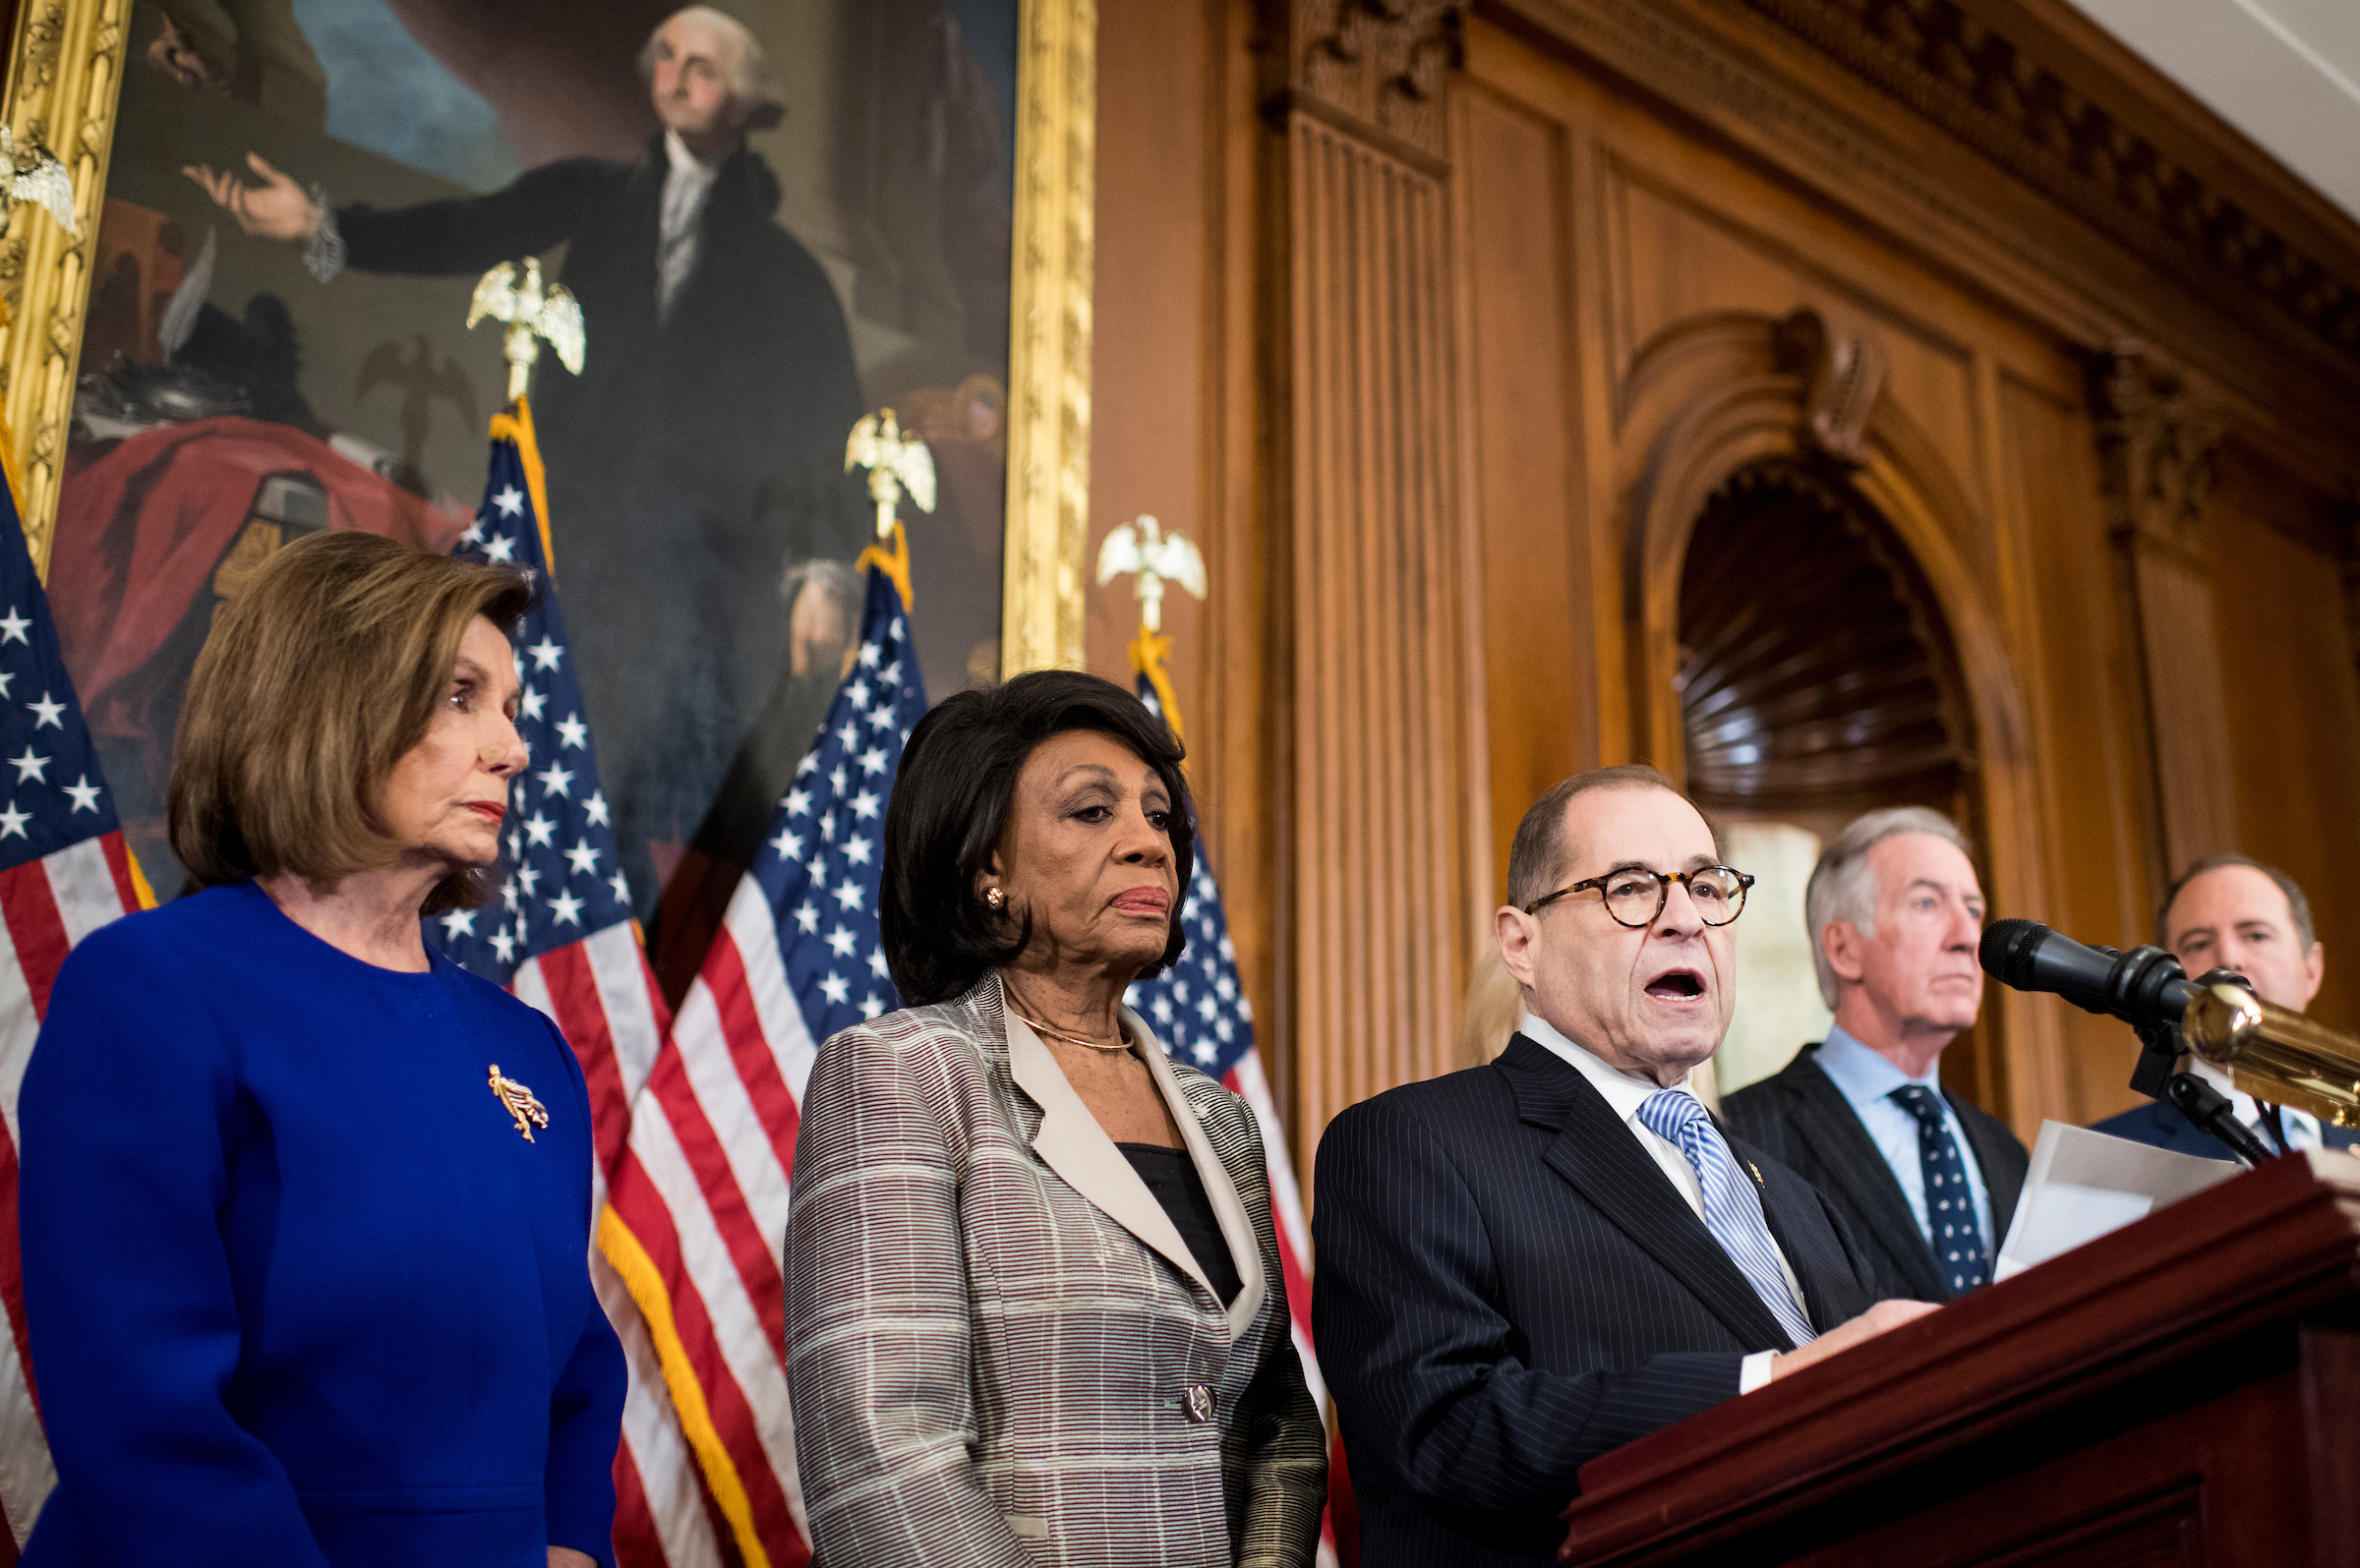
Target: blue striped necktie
1957,1235
1733,1209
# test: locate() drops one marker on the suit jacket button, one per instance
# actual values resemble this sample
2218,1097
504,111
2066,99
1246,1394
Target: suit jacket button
1199,1403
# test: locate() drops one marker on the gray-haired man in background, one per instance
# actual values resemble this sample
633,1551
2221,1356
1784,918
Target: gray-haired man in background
1926,1181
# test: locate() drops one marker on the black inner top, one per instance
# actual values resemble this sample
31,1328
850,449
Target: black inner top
1172,1176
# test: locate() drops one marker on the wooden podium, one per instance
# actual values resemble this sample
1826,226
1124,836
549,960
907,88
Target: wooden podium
2183,1391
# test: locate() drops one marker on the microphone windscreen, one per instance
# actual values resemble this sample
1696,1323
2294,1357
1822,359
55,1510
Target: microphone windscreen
2007,950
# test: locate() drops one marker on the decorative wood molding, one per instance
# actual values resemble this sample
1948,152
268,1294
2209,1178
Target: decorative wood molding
1842,380
1049,338
2064,261
2024,114
65,71
1715,404
1375,709
1374,67
2156,444
1376,890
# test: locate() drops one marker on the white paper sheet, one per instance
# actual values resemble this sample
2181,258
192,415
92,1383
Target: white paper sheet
2084,1183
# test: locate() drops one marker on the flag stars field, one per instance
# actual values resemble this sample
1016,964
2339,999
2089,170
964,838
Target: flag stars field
559,838
819,866
66,873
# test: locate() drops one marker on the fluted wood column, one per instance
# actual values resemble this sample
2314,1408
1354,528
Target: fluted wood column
1379,790
2156,446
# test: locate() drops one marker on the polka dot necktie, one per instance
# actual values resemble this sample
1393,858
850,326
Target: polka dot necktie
1733,1209
1958,1237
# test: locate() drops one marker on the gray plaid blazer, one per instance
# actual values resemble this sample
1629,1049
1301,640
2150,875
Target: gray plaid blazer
998,1349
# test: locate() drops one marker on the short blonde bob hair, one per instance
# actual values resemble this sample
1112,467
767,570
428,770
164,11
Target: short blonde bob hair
318,676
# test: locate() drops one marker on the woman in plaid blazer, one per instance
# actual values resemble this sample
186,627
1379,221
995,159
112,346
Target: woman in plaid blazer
1034,1310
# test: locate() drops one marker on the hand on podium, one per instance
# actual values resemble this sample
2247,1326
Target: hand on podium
1878,1319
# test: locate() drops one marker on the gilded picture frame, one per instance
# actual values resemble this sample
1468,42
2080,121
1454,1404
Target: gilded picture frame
66,64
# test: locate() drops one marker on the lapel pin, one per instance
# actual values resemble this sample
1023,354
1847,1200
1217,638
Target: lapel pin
518,1102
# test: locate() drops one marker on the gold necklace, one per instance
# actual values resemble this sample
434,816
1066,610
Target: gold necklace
1122,1042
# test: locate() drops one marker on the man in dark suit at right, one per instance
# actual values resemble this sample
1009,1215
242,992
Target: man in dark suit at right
1525,1265
1926,1180
2229,912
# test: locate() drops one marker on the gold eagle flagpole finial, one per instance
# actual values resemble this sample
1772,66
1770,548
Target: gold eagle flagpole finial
512,292
897,465
1141,547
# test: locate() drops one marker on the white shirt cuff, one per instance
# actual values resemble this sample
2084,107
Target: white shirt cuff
1754,1371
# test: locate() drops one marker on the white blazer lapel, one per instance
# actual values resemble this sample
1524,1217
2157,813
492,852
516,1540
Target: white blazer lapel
1072,1144
1245,1247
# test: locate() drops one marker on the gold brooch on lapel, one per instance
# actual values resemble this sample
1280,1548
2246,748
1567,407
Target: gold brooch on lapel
518,1102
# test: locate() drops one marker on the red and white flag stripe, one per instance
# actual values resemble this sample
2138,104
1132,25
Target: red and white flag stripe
46,906
696,1217
1246,1080
602,994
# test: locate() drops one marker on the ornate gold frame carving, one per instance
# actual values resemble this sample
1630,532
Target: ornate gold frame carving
65,71
1050,334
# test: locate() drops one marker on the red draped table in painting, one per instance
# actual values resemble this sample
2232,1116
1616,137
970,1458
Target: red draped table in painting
2185,1390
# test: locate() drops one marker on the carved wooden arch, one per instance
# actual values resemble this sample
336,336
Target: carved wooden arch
1705,403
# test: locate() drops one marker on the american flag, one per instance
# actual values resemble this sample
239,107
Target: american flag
698,1211
64,872
560,937
1199,1014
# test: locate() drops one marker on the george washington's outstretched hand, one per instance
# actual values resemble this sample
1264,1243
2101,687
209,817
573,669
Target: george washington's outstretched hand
275,209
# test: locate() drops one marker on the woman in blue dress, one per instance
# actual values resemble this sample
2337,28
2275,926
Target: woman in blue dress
305,1206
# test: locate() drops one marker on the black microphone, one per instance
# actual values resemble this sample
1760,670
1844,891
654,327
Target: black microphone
2144,987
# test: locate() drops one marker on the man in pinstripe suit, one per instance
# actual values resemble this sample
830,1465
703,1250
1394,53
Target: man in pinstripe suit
1524,1266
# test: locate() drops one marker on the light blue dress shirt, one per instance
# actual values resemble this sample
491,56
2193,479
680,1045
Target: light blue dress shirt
1868,1081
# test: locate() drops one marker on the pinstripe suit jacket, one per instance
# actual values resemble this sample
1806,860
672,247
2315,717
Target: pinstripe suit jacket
1801,1120
1509,1287
993,1328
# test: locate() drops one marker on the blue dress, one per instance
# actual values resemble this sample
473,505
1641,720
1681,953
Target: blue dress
299,1291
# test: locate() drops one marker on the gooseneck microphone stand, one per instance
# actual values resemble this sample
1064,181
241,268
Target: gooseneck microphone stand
2144,987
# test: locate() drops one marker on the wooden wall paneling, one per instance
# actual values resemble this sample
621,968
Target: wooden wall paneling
2020,1076
2294,726
1148,362
2084,690
1177,432
1384,743
1236,755
1517,87
1886,143
2156,447
1530,531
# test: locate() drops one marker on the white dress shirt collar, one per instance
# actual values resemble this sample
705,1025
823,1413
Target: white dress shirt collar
687,165
1625,1092
1866,1074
